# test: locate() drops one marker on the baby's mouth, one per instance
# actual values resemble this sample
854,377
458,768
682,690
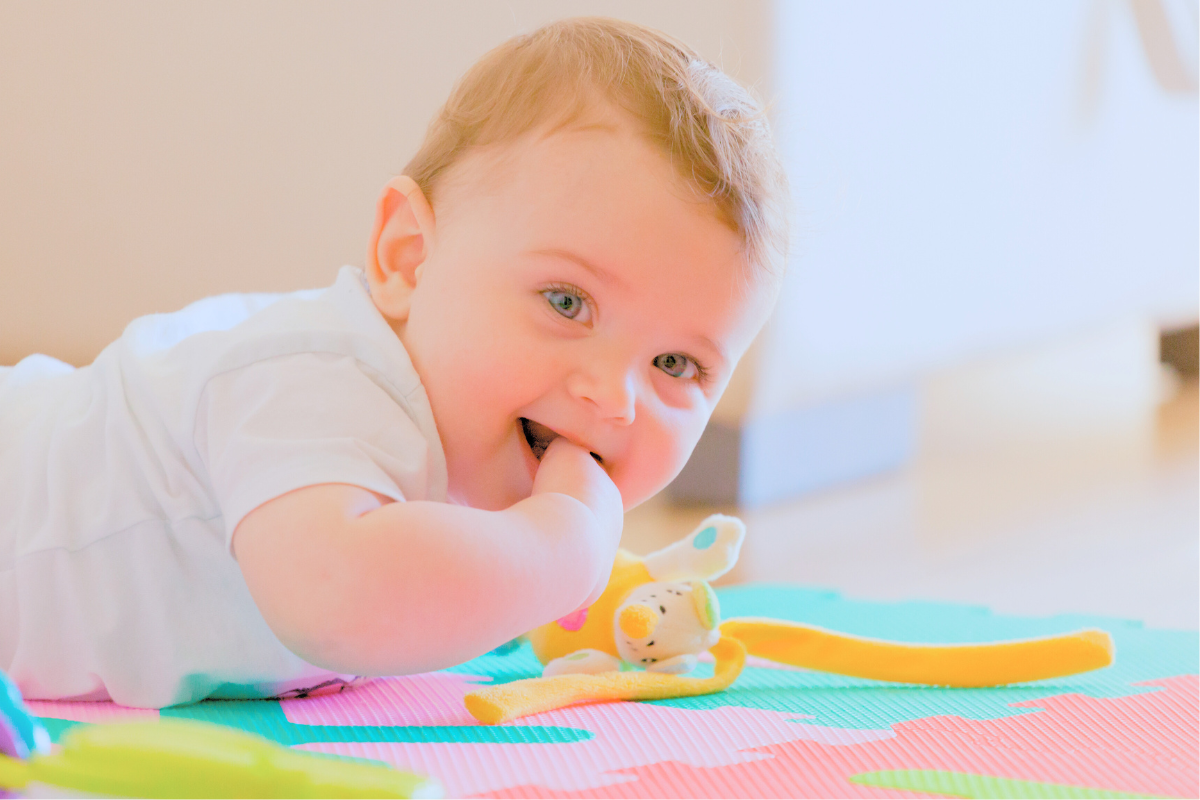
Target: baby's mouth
538,436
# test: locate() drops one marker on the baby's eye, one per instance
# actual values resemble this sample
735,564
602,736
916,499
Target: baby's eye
569,304
677,365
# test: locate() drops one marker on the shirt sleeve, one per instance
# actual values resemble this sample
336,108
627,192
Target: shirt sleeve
300,420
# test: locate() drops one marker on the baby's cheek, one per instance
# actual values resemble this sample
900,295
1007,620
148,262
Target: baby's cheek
653,465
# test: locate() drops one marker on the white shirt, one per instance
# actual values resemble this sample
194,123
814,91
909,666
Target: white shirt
121,484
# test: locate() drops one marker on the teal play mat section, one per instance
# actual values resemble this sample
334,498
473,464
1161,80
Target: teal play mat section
266,718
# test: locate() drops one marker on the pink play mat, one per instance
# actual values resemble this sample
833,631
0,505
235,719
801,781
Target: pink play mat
1128,730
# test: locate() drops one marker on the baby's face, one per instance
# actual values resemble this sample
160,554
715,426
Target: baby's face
577,288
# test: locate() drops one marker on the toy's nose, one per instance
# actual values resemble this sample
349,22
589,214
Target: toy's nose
637,621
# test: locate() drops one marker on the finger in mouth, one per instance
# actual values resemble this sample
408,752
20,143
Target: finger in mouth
539,437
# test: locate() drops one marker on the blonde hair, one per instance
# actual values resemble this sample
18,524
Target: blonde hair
714,133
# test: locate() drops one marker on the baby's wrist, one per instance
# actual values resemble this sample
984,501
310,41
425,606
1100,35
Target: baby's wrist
571,531
554,512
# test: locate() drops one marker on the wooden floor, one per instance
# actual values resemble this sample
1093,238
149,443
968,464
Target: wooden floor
1020,522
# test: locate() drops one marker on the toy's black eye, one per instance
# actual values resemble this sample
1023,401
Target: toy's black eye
649,644
663,610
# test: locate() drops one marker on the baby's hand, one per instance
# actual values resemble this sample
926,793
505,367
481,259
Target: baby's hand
569,469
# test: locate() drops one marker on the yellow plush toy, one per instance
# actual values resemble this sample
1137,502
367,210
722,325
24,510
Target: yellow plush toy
658,614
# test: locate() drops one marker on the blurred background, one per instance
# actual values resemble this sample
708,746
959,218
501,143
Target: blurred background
980,382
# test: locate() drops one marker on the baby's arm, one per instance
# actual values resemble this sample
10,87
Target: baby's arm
356,584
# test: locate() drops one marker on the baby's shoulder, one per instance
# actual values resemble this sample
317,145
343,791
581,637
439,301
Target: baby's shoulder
231,332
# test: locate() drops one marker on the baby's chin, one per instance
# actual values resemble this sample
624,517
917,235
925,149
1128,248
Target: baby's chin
637,489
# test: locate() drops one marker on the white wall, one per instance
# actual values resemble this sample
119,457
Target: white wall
972,177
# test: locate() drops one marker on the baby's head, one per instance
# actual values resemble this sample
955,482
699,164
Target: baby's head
586,243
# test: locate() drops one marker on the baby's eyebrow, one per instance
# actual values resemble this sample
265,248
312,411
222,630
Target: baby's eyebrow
601,274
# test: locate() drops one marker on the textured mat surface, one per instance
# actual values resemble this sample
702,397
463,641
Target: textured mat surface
1129,730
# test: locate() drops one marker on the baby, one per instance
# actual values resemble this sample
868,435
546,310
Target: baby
263,495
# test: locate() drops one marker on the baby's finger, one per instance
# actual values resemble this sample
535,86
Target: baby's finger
573,470
565,464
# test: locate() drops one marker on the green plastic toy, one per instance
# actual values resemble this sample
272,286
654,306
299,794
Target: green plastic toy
179,758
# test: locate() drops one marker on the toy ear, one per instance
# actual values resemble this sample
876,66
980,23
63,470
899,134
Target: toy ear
637,621
704,599
706,553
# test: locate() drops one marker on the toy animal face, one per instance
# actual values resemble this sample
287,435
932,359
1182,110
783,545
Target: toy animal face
661,620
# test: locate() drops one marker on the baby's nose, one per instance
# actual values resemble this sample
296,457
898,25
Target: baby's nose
612,392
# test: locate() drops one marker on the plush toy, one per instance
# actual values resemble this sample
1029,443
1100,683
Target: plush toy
658,614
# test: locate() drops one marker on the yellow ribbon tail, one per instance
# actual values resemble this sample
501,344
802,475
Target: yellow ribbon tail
496,704
956,665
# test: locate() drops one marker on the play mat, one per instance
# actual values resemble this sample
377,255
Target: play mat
1127,730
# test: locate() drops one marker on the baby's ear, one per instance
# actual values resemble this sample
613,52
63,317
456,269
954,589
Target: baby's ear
400,243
